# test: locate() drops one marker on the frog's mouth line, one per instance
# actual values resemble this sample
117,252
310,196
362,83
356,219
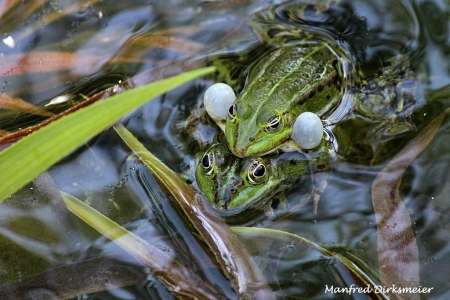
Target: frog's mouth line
253,150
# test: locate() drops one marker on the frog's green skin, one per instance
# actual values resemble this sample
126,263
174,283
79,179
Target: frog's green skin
285,83
236,185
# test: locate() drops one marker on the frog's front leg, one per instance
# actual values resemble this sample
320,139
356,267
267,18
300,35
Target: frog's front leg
320,168
319,183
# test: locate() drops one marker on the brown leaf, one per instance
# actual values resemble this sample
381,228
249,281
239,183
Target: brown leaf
3,133
170,43
50,61
398,257
7,102
5,6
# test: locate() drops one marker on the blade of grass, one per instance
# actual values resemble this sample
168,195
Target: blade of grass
178,279
279,235
23,161
232,257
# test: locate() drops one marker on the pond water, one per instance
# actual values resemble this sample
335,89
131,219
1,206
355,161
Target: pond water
80,48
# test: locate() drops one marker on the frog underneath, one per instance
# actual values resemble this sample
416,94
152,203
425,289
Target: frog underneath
235,186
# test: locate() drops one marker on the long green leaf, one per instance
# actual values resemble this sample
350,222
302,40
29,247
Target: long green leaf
26,159
177,278
233,259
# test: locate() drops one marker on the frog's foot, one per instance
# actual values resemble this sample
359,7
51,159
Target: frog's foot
316,191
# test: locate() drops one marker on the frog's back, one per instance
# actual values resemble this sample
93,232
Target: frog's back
289,76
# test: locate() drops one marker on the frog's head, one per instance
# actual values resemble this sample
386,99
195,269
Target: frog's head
249,130
233,185
230,183
252,131
258,126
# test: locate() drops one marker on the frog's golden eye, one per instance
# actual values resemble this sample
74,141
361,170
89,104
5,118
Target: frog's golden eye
232,113
274,124
256,172
208,162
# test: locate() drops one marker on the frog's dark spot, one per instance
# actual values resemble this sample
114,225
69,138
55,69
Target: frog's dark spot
236,134
328,97
275,203
320,87
292,162
221,136
321,167
188,181
201,105
251,139
233,190
312,93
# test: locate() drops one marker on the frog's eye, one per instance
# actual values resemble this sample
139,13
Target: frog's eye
208,162
256,172
273,124
218,98
232,112
307,130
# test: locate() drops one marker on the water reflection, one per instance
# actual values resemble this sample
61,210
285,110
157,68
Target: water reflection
104,175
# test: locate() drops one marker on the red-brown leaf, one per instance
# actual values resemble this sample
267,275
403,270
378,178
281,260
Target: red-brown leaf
398,257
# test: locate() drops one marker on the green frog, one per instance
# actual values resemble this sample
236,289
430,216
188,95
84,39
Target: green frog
235,185
284,84
306,72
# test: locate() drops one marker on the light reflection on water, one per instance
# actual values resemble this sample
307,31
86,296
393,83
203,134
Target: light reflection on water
104,175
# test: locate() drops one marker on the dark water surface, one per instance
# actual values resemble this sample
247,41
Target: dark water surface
105,174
